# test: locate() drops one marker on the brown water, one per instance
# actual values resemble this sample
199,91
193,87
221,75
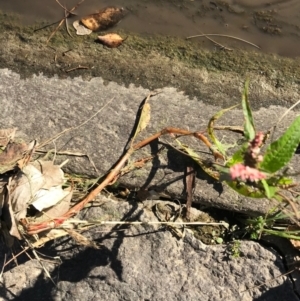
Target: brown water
274,25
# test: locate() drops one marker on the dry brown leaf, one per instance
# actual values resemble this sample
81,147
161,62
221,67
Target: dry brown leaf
46,198
10,156
51,235
6,135
58,209
7,219
52,174
82,240
104,19
8,223
145,117
111,40
22,189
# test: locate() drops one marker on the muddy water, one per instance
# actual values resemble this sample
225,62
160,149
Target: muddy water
273,25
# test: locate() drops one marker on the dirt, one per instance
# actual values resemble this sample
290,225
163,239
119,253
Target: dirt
273,25
151,61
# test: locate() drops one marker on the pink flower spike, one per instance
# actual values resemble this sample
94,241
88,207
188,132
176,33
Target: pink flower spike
244,173
258,140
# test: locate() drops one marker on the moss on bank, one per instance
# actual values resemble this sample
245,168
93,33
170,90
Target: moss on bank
150,61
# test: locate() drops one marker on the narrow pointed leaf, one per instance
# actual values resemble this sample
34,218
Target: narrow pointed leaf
221,148
238,156
193,155
269,190
246,190
144,117
280,152
249,129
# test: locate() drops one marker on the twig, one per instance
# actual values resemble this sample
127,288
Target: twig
67,24
111,178
269,281
218,44
282,116
291,203
223,35
237,129
114,172
13,258
76,68
1,273
46,26
189,187
74,127
159,223
55,30
68,153
63,19
65,52
70,12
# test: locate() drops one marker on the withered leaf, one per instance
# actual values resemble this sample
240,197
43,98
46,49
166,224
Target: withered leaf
52,174
82,240
8,223
104,19
22,189
46,198
144,118
6,135
81,30
58,209
12,153
111,40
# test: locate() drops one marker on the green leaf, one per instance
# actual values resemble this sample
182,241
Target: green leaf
246,190
144,118
238,156
270,190
280,152
249,130
210,128
193,155
279,181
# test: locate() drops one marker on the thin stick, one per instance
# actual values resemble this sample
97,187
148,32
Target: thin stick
287,111
282,116
55,30
62,20
269,281
13,258
67,24
76,68
46,26
2,270
218,44
223,35
159,223
74,127
65,8
237,129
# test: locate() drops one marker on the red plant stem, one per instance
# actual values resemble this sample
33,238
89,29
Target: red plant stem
38,227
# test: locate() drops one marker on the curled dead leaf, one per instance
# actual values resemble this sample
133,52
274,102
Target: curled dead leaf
111,40
80,29
12,153
6,135
104,19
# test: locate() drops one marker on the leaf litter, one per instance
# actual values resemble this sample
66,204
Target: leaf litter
28,183
39,184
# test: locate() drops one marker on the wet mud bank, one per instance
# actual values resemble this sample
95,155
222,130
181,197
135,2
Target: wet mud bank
151,61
